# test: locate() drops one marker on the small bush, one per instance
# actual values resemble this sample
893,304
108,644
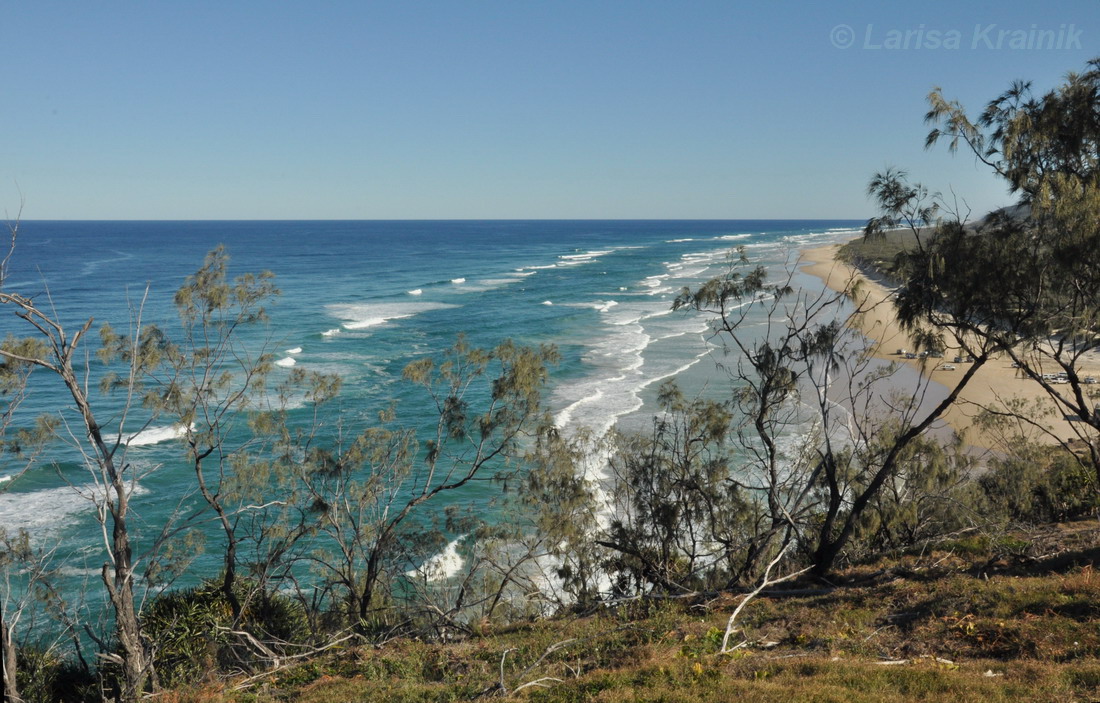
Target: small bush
190,630
1034,485
44,677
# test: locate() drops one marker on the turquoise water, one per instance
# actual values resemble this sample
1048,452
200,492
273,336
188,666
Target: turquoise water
363,299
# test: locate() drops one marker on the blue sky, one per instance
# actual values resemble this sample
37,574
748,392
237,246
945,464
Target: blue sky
495,109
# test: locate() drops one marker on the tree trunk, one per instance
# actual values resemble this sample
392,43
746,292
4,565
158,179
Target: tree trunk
118,576
136,663
8,664
369,581
229,577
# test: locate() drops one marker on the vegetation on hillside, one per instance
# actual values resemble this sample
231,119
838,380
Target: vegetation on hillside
968,619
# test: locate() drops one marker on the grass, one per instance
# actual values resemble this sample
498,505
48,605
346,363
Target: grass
958,623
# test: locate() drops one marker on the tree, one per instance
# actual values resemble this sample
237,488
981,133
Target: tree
567,505
810,367
51,348
487,403
1025,280
211,385
215,388
21,447
679,518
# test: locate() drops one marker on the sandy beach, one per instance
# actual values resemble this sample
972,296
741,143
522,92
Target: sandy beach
991,386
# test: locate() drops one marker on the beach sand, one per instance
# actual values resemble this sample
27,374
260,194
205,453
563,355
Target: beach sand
993,384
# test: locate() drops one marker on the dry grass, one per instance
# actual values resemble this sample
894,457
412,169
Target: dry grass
959,623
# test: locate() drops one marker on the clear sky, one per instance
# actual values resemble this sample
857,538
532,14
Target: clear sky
262,109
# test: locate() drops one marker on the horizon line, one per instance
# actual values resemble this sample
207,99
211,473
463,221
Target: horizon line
451,219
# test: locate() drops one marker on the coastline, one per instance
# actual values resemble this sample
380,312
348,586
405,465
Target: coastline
992,385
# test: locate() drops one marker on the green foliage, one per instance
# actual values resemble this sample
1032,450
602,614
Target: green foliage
1023,280
209,295
679,521
192,631
365,495
722,292
45,676
925,496
880,251
561,492
18,361
1034,484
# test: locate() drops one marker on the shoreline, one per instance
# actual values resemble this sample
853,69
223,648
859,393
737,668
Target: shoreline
992,385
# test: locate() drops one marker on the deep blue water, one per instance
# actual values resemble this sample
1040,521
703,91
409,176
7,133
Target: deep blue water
362,299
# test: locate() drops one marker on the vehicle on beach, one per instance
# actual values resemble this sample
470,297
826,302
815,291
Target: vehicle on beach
948,367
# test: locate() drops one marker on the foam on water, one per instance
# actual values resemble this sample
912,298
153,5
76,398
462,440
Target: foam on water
48,510
286,362
620,370
331,333
92,267
585,257
363,315
295,350
154,435
482,285
416,291
442,566
78,571
458,280
598,306
564,417
609,392
674,372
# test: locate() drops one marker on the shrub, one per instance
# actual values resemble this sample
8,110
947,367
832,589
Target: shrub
1033,485
191,631
44,677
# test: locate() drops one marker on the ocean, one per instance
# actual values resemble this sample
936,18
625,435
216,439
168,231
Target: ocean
362,299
